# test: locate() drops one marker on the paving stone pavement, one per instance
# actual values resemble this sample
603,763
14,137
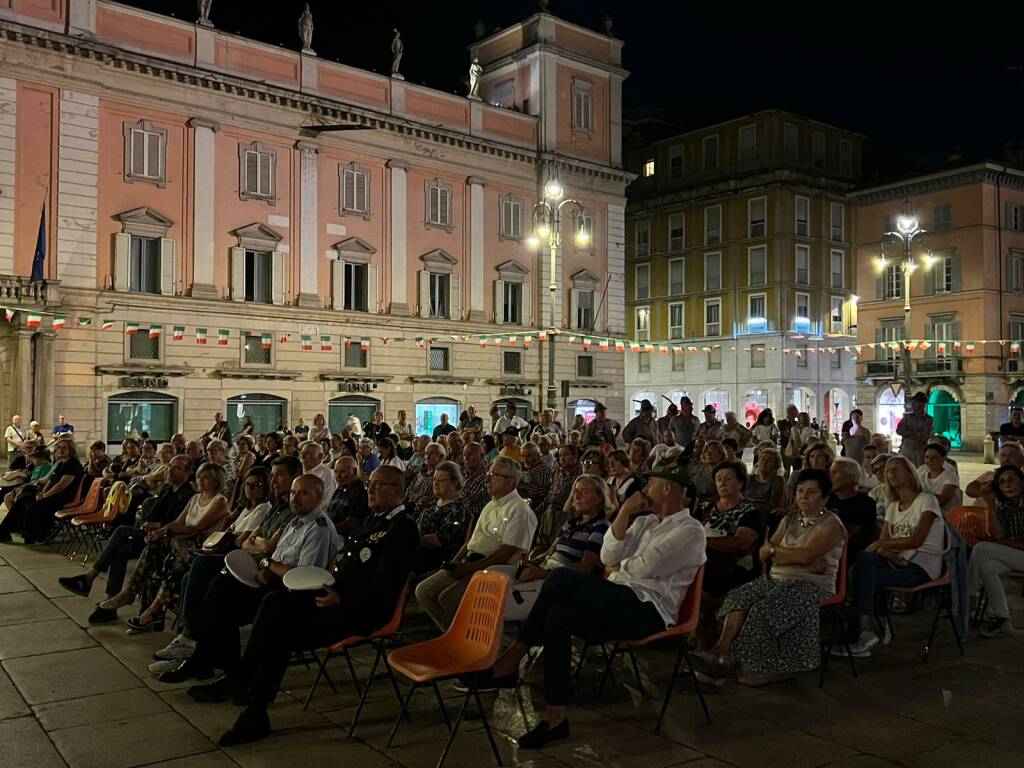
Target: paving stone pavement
80,696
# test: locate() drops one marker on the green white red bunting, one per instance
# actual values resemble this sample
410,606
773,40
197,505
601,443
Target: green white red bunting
179,333
307,342
200,336
325,344
266,341
107,325
8,314
34,320
59,321
155,331
364,344
84,322
131,329
223,334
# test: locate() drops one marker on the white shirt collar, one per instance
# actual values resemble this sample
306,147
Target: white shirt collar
507,498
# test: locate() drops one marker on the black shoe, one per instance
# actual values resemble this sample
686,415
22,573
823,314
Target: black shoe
187,670
102,615
543,734
79,585
249,727
221,689
136,627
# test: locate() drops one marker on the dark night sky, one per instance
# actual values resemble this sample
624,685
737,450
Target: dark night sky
942,85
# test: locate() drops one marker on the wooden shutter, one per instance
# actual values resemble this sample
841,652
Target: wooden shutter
434,203
929,276
454,298
574,308
371,288
277,268
499,301
252,172
929,334
362,198
424,293
880,286
444,198
238,274
954,267
526,306
153,154
122,259
879,350
168,266
338,284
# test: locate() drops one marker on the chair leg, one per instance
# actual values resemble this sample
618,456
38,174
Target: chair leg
579,665
394,680
401,714
952,622
826,652
609,659
487,725
444,709
636,668
316,680
366,690
935,625
352,673
452,730
846,639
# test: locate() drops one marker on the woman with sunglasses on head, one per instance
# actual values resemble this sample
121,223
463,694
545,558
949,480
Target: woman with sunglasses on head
1002,550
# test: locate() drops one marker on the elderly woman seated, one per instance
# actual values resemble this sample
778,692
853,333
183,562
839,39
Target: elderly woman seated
1002,551
443,525
711,455
654,549
733,527
169,553
855,508
817,455
577,546
32,513
770,629
765,488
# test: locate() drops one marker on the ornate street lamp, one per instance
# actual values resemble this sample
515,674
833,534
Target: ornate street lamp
547,230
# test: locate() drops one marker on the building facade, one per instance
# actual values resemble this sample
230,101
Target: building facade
968,289
739,264
279,204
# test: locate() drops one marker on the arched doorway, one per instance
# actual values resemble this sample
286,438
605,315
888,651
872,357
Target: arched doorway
339,409
131,413
755,401
805,401
945,413
888,415
837,409
524,408
719,398
429,410
268,412
633,408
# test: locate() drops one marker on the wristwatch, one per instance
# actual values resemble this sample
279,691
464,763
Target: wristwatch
265,563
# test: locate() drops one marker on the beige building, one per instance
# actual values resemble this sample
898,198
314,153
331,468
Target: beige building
968,287
194,178
739,255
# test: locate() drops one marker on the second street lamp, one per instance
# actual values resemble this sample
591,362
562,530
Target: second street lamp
547,231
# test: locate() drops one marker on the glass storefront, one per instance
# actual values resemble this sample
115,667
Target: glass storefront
132,413
268,412
340,409
428,413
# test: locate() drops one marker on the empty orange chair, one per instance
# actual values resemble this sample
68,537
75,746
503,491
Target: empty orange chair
470,646
377,639
971,523
689,617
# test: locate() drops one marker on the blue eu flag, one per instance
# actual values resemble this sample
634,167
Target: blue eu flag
39,260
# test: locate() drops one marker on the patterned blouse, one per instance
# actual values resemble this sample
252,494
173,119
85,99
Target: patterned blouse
1011,517
474,491
421,490
561,487
449,523
535,483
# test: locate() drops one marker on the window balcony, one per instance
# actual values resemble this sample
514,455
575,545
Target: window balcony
15,291
932,367
882,369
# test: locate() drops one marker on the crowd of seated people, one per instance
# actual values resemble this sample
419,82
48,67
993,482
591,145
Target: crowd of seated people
599,529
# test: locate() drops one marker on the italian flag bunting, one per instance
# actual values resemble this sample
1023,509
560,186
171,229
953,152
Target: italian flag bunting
107,325
527,341
84,321
266,341
570,339
969,347
677,350
307,342
603,345
483,342
648,347
155,331
59,321
179,333
543,335
34,320
421,343
223,334
662,349
282,339
586,342
620,345
634,346
346,341
8,314
512,340
325,344
364,344
1014,348
131,329
200,336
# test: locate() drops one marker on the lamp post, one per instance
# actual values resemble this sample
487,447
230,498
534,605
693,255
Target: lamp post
907,231
547,229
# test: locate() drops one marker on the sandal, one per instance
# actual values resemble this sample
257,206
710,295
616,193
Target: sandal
136,626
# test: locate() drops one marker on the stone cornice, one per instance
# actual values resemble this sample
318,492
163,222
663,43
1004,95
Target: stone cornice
330,110
985,173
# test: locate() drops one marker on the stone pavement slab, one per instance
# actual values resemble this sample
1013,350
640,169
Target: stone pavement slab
45,579
130,742
25,607
320,746
42,637
69,675
103,707
24,744
11,703
12,581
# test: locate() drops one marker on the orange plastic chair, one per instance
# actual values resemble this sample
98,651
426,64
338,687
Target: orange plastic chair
970,522
836,607
689,617
90,504
470,646
943,605
377,639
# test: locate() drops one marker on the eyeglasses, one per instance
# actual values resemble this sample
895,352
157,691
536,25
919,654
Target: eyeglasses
492,475
378,484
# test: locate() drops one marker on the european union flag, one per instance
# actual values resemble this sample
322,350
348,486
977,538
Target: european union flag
39,260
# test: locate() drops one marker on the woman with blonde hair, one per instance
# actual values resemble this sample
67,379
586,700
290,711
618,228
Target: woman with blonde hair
319,430
577,545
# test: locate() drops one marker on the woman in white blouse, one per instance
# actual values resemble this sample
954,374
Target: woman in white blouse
653,549
940,478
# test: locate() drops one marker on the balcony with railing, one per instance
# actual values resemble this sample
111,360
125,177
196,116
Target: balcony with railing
21,291
932,367
890,369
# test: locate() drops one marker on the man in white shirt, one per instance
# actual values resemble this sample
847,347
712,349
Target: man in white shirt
510,419
312,457
503,532
15,436
654,548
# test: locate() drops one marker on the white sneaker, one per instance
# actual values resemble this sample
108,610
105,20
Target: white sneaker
179,648
886,634
157,668
860,649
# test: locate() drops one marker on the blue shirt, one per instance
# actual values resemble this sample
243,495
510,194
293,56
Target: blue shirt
307,540
370,463
60,430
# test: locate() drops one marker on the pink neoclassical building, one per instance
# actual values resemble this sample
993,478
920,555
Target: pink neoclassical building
188,182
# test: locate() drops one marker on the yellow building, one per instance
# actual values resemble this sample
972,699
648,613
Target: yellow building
738,244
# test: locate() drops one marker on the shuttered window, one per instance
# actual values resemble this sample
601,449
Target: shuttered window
355,190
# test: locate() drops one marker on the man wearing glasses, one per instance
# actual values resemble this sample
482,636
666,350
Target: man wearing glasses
504,531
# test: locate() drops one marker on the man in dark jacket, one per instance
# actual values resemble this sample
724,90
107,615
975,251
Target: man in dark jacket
127,542
372,570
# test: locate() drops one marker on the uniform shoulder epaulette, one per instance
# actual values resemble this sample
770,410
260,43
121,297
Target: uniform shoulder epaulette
321,521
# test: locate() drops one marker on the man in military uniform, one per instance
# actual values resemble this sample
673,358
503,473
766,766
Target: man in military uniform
607,430
372,570
308,538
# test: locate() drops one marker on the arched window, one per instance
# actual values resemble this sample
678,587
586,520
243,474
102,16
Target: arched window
131,413
339,409
268,412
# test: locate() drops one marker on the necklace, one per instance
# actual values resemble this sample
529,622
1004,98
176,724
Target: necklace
803,522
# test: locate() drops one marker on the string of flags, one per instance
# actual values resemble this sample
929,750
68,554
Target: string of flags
801,343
